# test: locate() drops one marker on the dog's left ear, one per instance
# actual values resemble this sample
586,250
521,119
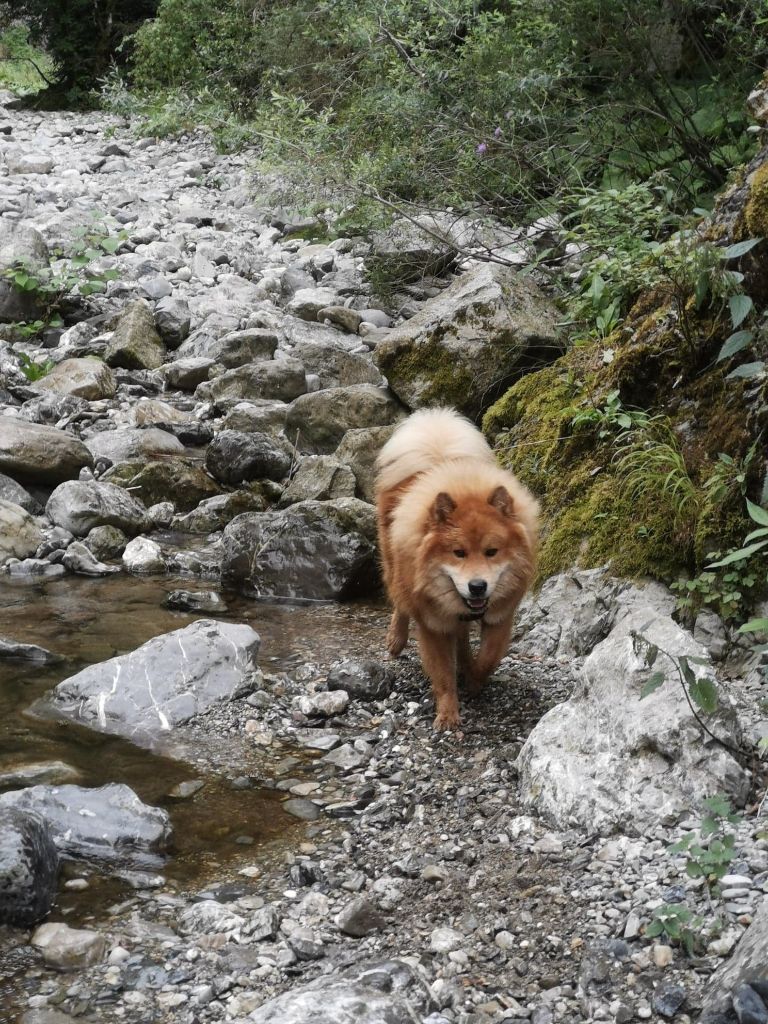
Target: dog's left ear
443,506
501,499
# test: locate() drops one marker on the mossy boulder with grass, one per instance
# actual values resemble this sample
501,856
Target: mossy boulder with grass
468,344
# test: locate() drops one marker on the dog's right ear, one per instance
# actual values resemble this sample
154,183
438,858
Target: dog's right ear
442,507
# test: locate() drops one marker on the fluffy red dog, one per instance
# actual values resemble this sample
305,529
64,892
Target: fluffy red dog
457,536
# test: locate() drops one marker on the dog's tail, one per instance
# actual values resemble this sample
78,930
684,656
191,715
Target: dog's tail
426,439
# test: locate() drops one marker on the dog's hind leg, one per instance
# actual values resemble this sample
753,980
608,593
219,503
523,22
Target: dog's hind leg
438,657
397,634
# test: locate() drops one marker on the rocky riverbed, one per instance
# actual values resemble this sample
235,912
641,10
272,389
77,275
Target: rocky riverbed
236,808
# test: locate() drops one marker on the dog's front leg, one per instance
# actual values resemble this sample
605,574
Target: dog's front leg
494,641
438,656
397,634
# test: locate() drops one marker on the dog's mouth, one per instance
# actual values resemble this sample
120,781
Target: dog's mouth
476,604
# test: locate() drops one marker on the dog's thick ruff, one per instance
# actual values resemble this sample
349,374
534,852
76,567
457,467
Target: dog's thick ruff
457,537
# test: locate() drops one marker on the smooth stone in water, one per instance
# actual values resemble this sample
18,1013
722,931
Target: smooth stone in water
20,535
69,949
143,555
29,867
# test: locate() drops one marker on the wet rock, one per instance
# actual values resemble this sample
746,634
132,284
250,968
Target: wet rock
359,918
311,550
389,992
302,808
43,773
196,601
106,542
20,535
319,478
27,652
17,495
80,560
281,379
320,420
129,443
363,680
20,243
605,759
84,378
214,513
358,449
80,505
179,480
135,343
143,555
29,867
165,682
234,457
105,824
40,454
469,343
69,949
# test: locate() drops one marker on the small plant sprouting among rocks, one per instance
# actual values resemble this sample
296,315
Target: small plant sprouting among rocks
33,370
711,849
699,690
677,923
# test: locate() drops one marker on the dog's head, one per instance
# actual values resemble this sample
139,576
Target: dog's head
476,552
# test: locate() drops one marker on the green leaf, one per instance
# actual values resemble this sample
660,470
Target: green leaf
651,684
747,371
698,661
654,928
693,870
757,513
110,244
740,307
754,626
719,805
739,248
704,693
756,535
734,344
738,556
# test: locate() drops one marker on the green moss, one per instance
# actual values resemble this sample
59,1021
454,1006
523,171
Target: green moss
433,370
756,209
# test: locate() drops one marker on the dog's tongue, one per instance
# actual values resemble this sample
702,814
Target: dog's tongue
476,603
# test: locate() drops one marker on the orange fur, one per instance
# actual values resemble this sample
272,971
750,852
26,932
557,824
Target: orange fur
452,522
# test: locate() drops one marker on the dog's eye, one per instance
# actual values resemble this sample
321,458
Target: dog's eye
491,552
460,553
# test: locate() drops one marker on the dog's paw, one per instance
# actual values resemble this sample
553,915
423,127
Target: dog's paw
396,644
447,720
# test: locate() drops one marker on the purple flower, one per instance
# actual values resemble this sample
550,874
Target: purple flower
482,148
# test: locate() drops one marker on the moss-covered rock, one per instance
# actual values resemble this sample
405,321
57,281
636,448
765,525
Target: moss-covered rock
181,481
470,342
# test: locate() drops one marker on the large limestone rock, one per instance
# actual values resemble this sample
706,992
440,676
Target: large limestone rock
105,824
467,345
84,378
317,422
319,478
606,760
315,549
20,245
179,480
29,866
20,536
407,250
136,344
371,993
358,450
133,443
748,964
162,684
231,350
79,505
282,379
234,457
335,365
35,453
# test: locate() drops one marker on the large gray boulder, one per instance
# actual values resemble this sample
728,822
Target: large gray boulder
315,549
29,866
469,343
747,964
20,246
167,681
389,992
358,450
181,481
233,457
335,365
79,505
20,536
105,824
317,422
133,443
18,495
283,379
319,478
231,350
135,343
40,454
605,760
407,250
84,378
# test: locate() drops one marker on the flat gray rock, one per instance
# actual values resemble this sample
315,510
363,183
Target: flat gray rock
105,824
81,505
162,684
40,454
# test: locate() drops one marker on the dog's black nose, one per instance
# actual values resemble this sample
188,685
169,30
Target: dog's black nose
477,587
